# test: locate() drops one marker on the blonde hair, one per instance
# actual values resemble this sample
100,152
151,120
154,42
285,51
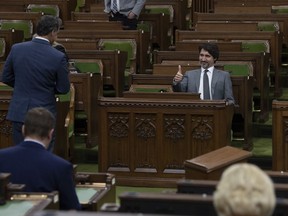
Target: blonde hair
244,190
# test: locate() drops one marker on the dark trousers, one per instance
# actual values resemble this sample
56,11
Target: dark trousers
128,24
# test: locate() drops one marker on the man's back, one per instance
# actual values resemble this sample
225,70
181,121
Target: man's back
41,171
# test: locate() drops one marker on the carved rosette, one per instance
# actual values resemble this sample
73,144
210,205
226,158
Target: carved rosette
118,125
202,127
145,127
174,128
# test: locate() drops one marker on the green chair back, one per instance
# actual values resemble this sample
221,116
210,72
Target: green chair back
256,46
86,66
25,25
125,45
165,9
239,69
268,26
2,47
279,9
44,8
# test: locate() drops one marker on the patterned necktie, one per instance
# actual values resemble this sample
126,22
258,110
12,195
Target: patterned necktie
114,6
206,89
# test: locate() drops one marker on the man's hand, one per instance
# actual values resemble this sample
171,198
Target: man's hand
179,76
131,15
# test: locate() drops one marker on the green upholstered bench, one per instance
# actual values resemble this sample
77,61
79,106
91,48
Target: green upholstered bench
125,45
25,25
279,9
268,26
44,8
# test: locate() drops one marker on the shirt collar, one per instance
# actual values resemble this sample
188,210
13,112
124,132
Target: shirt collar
36,141
42,38
210,69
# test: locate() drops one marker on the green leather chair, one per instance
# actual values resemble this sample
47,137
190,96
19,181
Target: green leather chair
268,26
280,9
25,25
44,8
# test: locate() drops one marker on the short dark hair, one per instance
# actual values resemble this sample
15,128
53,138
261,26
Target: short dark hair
39,122
211,48
47,24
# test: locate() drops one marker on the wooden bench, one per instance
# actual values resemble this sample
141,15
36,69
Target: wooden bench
95,25
194,186
260,61
275,41
211,165
11,37
65,6
141,38
281,19
279,141
209,26
113,66
224,46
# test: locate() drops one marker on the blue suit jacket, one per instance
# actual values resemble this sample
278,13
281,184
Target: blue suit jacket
221,85
41,171
37,72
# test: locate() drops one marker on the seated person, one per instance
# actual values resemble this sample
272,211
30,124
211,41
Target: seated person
244,190
40,170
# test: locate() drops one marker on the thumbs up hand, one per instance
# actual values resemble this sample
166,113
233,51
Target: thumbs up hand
179,76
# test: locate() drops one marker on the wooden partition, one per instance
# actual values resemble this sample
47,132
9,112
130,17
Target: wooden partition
6,126
281,19
114,63
11,37
141,38
279,136
144,141
65,6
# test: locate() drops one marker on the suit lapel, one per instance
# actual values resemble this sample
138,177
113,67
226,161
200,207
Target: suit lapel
215,78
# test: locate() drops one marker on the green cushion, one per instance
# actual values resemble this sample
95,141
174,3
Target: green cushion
2,47
280,9
256,46
64,97
125,46
87,67
146,26
80,115
25,25
238,70
46,9
268,26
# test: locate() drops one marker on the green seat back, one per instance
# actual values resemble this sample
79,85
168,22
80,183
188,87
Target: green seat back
87,67
165,9
125,45
25,25
268,26
45,9
2,47
239,69
280,9
145,26
63,97
255,46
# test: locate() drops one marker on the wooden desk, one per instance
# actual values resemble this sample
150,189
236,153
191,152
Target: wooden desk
210,166
144,141
279,140
95,189
6,126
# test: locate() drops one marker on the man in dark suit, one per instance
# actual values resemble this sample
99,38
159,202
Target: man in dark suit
37,72
31,164
125,11
219,85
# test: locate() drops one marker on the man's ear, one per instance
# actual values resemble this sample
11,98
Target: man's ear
23,129
50,134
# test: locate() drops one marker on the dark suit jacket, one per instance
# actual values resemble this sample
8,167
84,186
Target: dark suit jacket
221,85
37,72
41,171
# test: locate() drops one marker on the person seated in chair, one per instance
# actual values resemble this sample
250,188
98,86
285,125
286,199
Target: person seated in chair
30,162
